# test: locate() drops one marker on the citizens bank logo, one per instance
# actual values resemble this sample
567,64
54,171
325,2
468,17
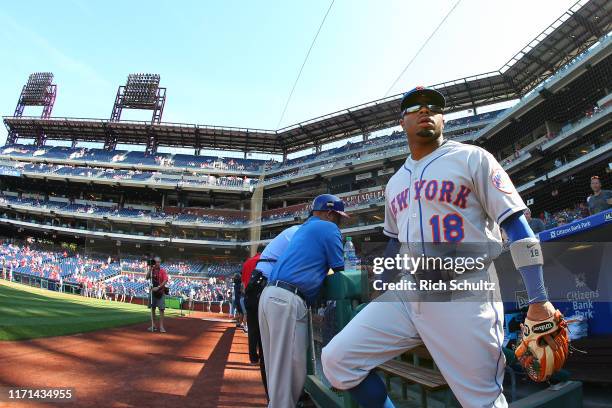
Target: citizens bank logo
580,280
608,216
542,327
553,234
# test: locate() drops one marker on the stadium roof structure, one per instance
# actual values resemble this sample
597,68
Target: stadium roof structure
571,34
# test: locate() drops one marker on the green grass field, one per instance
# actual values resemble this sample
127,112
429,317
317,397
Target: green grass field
27,313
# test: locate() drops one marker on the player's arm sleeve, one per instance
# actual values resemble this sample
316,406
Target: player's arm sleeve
517,229
390,226
493,186
333,249
392,249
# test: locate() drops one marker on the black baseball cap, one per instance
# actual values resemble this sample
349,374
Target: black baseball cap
422,95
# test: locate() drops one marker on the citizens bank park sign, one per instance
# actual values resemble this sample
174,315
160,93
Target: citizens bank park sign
577,226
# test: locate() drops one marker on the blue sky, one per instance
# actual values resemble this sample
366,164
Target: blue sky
232,63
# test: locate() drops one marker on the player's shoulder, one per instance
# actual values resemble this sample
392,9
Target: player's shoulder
473,155
455,146
288,232
291,230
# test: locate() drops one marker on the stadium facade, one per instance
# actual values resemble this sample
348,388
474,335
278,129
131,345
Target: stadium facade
219,209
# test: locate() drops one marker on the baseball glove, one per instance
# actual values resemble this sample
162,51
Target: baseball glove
536,356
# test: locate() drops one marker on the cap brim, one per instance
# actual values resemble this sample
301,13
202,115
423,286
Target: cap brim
423,95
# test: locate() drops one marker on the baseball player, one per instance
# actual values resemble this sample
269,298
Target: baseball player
446,193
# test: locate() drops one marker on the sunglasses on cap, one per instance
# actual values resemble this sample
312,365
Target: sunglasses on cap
416,108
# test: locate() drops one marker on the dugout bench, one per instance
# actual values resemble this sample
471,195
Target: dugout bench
409,368
416,366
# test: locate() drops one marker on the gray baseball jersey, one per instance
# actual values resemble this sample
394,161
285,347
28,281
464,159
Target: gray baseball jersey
458,193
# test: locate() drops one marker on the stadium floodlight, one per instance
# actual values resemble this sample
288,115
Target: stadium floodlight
141,91
38,91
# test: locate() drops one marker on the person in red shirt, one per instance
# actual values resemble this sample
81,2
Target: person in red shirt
252,321
247,269
252,292
159,278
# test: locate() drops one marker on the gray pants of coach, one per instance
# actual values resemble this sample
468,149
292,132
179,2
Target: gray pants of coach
283,322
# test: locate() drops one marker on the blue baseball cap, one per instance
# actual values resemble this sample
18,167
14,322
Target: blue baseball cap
420,95
329,202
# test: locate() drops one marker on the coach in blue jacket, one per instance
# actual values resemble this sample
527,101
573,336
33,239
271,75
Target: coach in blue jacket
296,281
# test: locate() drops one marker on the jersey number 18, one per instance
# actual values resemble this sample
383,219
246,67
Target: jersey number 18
451,227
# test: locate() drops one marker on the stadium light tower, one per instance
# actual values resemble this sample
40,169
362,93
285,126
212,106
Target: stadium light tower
141,91
38,91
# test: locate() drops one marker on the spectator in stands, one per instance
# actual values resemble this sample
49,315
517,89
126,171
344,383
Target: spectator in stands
536,224
600,200
583,210
159,278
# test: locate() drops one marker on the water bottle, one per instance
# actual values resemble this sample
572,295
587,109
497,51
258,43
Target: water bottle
350,258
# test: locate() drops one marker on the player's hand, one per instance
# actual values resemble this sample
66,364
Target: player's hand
542,311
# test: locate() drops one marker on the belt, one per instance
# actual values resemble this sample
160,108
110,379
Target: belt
287,286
